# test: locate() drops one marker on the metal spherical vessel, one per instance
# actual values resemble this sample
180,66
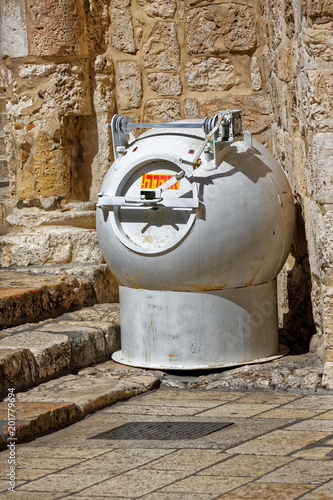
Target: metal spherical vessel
195,219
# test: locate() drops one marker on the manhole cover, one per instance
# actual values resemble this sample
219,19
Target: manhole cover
162,430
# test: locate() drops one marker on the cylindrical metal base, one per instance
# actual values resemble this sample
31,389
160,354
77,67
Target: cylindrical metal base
198,330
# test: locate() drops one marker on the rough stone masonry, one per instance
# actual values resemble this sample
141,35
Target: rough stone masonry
67,67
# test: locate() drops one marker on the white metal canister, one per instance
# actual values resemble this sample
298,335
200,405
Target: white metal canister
195,219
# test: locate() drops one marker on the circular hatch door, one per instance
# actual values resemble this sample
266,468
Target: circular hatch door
148,220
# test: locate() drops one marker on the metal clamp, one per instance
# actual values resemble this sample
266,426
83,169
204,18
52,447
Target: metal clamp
108,202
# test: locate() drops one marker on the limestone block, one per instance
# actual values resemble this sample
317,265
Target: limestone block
13,32
88,343
321,178
46,173
275,21
327,380
103,96
299,165
320,90
68,90
159,8
56,246
103,157
57,28
161,51
128,85
31,217
165,83
51,353
256,110
104,65
191,108
284,62
320,239
318,41
97,16
256,79
319,8
327,315
17,369
62,87
216,29
162,110
281,103
89,393
122,33
210,73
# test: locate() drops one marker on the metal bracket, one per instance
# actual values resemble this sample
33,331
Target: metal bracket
108,202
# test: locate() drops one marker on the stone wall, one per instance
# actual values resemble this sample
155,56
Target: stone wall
298,63
67,67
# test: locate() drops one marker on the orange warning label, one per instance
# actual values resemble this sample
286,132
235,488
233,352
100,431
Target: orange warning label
153,181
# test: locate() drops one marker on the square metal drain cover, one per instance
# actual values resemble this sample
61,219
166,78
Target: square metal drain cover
162,430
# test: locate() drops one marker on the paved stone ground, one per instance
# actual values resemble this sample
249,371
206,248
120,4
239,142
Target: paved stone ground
280,446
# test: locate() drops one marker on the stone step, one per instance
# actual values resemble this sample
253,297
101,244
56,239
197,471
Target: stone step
36,352
36,293
60,402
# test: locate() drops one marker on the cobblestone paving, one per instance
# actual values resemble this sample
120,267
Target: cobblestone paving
280,446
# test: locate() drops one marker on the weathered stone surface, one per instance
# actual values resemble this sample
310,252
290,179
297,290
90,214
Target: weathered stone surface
51,353
319,41
104,283
209,73
36,418
13,35
19,302
299,161
217,29
191,108
255,74
33,216
128,85
320,105
275,21
161,51
87,342
104,80
56,246
320,238
328,375
327,321
68,90
99,312
17,369
57,28
297,372
284,62
93,389
62,87
319,8
48,175
159,8
165,83
122,33
162,110
97,18
255,110
27,297
321,180
34,352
